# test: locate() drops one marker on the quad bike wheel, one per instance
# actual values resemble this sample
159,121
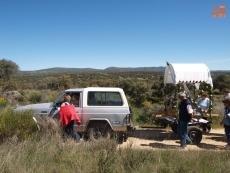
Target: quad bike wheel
195,134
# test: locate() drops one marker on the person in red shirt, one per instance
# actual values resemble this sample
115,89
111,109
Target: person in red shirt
68,116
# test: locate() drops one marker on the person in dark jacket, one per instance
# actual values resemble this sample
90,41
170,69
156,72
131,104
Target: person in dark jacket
185,116
226,121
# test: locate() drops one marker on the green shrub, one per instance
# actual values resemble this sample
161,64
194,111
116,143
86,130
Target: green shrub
3,102
20,98
19,124
149,112
35,97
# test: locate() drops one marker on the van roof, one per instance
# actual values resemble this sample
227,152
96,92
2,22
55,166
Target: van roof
94,89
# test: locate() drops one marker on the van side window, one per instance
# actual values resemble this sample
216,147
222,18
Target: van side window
92,101
104,99
75,99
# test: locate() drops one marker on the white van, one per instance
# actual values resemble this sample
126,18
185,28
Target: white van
103,111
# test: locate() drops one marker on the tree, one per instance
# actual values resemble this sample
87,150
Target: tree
65,81
139,93
7,69
221,81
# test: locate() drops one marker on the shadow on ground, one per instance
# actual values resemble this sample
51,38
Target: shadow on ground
203,146
154,134
210,146
160,145
159,135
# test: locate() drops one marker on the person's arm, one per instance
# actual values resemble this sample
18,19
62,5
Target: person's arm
222,122
208,105
190,111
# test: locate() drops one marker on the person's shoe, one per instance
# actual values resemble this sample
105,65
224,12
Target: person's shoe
189,142
180,147
204,130
208,130
79,140
227,147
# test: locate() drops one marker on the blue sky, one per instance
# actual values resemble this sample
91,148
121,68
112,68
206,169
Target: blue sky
40,34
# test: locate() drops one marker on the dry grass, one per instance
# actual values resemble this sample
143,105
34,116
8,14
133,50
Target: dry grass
48,153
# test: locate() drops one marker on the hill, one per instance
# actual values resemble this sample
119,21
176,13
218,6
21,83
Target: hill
109,69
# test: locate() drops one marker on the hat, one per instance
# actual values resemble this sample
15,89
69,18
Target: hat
225,90
226,101
182,94
203,94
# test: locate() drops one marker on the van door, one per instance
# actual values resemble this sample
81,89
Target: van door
76,100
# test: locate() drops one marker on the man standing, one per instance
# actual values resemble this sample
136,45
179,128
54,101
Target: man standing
185,116
226,93
226,121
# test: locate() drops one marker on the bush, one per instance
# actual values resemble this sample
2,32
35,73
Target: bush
20,98
3,102
48,126
149,112
19,124
35,97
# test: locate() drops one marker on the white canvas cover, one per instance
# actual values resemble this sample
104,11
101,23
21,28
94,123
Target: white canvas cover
187,73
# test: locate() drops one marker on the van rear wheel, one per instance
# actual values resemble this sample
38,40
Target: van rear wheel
98,131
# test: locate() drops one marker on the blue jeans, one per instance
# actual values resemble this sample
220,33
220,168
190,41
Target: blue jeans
227,133
69,130
182,129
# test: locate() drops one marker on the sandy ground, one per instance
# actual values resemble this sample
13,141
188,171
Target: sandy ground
157,138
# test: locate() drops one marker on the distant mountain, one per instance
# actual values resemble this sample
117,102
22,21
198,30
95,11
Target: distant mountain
62,70
109,69
128,69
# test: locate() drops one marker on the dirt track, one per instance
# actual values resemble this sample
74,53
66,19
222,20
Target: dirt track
166,139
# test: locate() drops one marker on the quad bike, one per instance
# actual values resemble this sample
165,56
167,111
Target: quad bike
194,127
187,78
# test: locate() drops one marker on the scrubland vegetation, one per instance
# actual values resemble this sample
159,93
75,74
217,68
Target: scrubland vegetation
45,151
25,149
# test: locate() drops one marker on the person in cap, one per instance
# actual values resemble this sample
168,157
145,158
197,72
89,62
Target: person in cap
204,103
226,93
226,121
185,116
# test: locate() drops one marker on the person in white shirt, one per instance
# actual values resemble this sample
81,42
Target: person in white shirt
226,93
204,103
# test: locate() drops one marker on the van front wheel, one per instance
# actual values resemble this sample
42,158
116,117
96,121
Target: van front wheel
97,131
